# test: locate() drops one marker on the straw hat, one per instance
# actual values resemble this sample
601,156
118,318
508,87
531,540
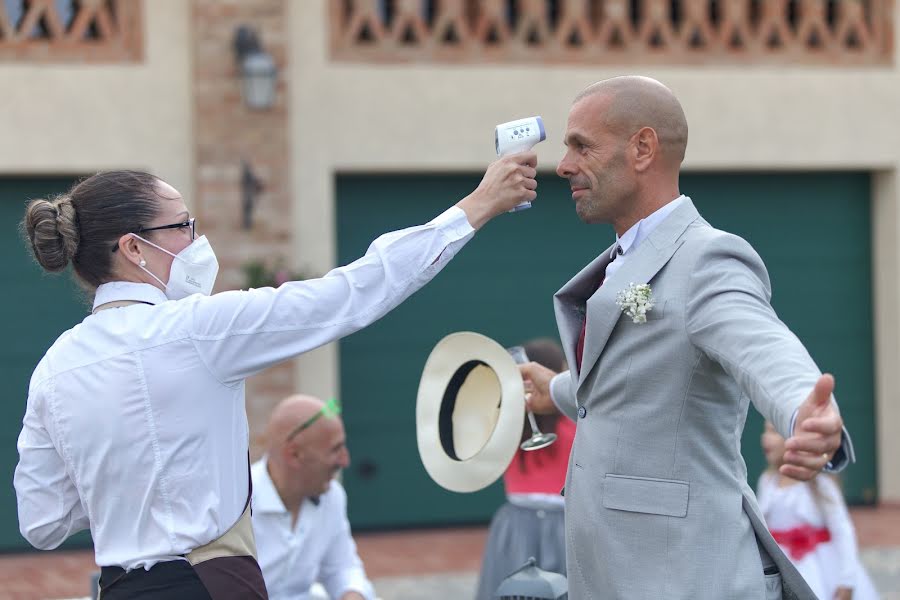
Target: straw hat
469,412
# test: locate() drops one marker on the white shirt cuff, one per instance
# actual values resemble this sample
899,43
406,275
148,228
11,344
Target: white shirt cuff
454,219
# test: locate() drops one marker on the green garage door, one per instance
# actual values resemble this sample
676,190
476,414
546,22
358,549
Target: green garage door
38,308
813,231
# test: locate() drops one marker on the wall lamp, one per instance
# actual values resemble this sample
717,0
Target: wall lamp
257,68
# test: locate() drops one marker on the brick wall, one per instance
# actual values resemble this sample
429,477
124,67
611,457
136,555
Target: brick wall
226,134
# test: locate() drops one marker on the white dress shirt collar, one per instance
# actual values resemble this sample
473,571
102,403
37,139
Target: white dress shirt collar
638,232
265,496
128,290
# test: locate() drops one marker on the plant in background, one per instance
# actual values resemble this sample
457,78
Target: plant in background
258,274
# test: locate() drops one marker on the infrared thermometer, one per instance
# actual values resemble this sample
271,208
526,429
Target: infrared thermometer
519,136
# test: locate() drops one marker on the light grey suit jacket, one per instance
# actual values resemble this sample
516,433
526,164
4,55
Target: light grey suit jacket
657,501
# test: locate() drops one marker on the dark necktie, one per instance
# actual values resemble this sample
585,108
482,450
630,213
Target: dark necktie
579,347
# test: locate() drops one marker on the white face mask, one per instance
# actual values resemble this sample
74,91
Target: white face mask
193,271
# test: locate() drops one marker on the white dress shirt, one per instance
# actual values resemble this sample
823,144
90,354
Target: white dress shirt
319,547
135,424
637,233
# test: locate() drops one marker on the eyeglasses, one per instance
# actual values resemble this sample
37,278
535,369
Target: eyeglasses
332,408
192,223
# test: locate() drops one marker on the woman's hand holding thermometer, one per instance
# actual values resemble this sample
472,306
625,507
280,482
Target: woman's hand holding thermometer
519,136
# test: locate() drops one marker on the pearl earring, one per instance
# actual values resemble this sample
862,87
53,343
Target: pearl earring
143,263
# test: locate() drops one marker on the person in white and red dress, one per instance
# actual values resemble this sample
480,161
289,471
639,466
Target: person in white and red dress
810,522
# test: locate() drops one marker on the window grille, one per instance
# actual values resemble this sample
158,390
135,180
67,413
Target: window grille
826,32
70,30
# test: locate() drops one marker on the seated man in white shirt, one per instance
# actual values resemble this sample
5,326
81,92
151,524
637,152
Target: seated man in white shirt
300,511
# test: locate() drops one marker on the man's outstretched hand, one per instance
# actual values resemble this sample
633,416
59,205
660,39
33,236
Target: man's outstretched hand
816,435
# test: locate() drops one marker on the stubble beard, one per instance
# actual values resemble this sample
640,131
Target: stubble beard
606,194
591,208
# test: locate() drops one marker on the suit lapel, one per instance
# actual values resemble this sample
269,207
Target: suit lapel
648,258
569,303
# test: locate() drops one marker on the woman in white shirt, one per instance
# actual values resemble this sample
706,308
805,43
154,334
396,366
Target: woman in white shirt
135,425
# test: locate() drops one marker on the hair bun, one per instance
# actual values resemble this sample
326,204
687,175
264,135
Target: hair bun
52,231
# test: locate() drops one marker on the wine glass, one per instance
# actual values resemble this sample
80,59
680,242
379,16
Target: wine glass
538,439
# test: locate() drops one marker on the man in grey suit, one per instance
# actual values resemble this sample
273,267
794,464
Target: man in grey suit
657,501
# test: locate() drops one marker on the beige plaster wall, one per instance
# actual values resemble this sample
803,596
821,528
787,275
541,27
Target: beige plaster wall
361,117
886,278
73,119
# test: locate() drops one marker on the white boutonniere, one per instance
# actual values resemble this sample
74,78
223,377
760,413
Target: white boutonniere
636,301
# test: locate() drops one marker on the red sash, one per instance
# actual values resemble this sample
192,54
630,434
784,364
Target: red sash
801,540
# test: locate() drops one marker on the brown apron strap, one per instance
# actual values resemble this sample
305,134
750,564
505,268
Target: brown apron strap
249,483
227,566
117,304
237,541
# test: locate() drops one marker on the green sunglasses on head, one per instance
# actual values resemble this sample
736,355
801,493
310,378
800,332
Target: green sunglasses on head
332,408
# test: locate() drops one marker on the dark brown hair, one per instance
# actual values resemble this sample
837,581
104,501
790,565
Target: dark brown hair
84,224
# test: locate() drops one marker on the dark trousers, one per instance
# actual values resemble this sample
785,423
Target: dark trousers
171,580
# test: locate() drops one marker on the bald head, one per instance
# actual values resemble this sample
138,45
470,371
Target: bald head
302,462
288,414
636,102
